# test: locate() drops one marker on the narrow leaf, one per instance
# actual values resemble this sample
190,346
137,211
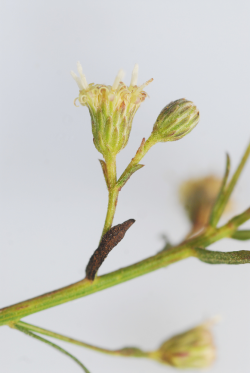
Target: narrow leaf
240,219
23,330
217,257
122,181
241,235
230,187
215,214
104,170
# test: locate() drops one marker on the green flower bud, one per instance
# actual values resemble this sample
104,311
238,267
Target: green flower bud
112,109
175,121
192,349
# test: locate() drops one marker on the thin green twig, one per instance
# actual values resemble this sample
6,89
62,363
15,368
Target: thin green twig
216,208
29,333
128,351
227,190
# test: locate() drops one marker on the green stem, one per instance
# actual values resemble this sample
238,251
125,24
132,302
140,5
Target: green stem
228,189
114,184
86,287
113,193
27,332
128,352
138,157
113,196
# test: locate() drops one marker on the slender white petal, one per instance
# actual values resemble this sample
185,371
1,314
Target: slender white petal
134,77
118,78
82,76
77,79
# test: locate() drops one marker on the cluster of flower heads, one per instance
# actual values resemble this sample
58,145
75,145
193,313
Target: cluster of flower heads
112,110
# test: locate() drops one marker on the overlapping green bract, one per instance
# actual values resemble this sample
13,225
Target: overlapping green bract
175,121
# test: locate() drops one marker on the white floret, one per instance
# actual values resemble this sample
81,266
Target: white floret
81,82
134,77
118,79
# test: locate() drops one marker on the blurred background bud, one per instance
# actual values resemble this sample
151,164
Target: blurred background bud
192,349
198,197
175,121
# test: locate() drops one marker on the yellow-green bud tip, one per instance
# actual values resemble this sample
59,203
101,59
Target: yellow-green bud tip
175,121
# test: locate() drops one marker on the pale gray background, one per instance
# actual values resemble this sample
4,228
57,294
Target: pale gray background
53,196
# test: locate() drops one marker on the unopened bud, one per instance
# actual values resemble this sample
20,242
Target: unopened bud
192,349
198,197
175,121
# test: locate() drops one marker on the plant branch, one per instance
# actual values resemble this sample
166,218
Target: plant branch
29,333
226,190
85,287
141,152
126,352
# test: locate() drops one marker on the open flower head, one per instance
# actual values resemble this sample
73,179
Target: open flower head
112,109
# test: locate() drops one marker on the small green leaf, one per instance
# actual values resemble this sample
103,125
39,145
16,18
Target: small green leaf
241,235
226,193
122,181
230,187
216,211
104,170
240,219
217,257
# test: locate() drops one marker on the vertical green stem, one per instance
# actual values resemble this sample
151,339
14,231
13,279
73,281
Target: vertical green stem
113,193
112,180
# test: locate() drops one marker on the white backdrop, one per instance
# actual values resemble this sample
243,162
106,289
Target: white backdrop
53,196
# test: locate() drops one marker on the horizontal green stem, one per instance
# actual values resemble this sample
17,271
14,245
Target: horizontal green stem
127,351
86,287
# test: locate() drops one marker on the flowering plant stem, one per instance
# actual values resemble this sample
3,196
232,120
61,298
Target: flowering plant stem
127,351
113,193
22,328
115,186
189,248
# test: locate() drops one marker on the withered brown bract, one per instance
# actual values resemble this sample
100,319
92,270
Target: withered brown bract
108,242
